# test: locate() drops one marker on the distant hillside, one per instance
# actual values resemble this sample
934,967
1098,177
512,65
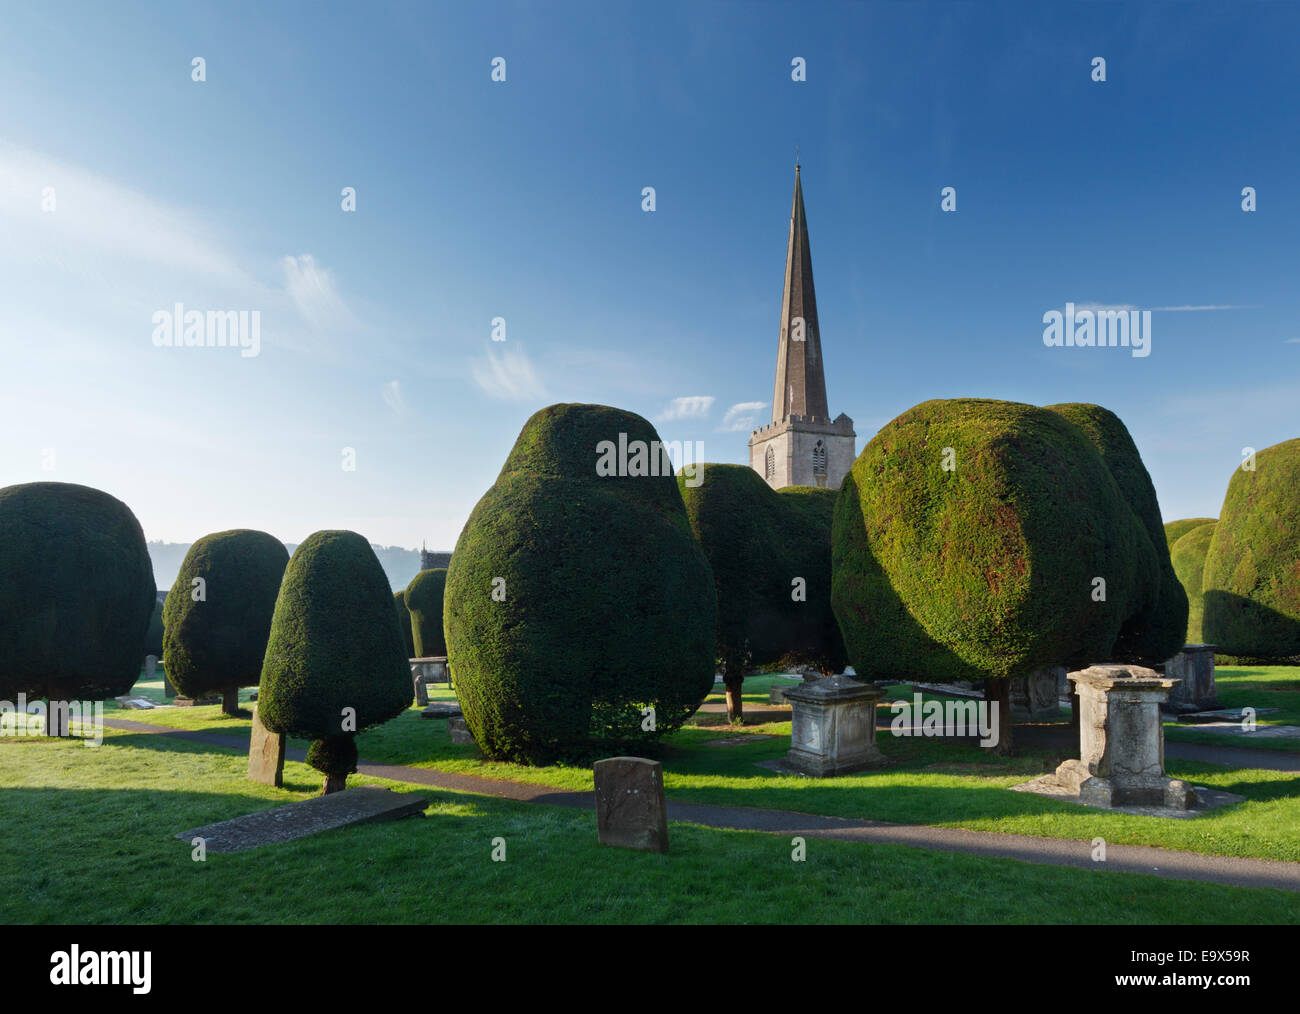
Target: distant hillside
399,564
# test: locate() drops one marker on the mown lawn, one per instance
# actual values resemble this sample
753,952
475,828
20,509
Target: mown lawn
88,838
930,781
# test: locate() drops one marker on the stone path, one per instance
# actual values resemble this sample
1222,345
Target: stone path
1158,862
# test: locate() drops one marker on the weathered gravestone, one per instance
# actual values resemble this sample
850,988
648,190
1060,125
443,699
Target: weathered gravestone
1194,666
442,709
459,732
150,666
265,754
631,811
1122,741
833,727
1036,697
361,805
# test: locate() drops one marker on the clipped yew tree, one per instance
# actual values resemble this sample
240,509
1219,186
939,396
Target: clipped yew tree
1252,568
1158,631
1188,555
1175,530
335,661
577,597
76,594
424,600
404,621
217,617
770,552
153,642
968,540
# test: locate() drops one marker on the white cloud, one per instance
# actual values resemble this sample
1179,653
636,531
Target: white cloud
509,375
314,293
1095,307
392,395
105,220
1292,341
692,406
742,417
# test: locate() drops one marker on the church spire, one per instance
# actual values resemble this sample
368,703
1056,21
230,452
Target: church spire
800,387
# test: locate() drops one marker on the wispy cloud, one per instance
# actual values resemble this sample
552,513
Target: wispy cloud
1095,307
64,212
509,375
392,395
1292,341
314,293
694,406
741,417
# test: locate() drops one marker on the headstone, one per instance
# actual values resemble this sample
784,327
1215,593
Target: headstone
1036,697
631,811
150,666
1194,666
421,692
362,805
833,727
776,695
1122,741
265,754
426,670
459,732
168,689
442,709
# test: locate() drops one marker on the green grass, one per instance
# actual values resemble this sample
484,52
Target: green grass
930,781
89,839
1268,686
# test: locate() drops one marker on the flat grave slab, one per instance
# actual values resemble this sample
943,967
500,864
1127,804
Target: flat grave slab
362,805
1259,732
134,702
1221,715
1206,799
442,709
752,737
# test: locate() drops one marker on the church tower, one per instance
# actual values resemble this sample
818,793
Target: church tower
802,445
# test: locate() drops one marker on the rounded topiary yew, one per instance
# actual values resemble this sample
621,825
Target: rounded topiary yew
1188,557
424,600
1251,580
404,621
335,663
76,594
577,596
217,617
1175,530
1157,631
967,540
770,552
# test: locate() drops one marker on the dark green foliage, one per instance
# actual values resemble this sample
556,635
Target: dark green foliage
1157,631
424,600
609,602
76,593
1252,569
1175,530
217,643
404,621
153,642
757,541
1188,557
985,570
335,644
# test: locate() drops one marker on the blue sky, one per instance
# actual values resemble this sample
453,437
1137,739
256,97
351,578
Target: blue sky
522,200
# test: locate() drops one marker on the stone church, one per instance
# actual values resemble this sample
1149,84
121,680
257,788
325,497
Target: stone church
802,445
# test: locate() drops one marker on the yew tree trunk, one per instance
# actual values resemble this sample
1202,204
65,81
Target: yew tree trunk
230,701
998,691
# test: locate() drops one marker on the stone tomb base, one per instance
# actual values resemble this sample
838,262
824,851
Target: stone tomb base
1206,798
833,727
1121,744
